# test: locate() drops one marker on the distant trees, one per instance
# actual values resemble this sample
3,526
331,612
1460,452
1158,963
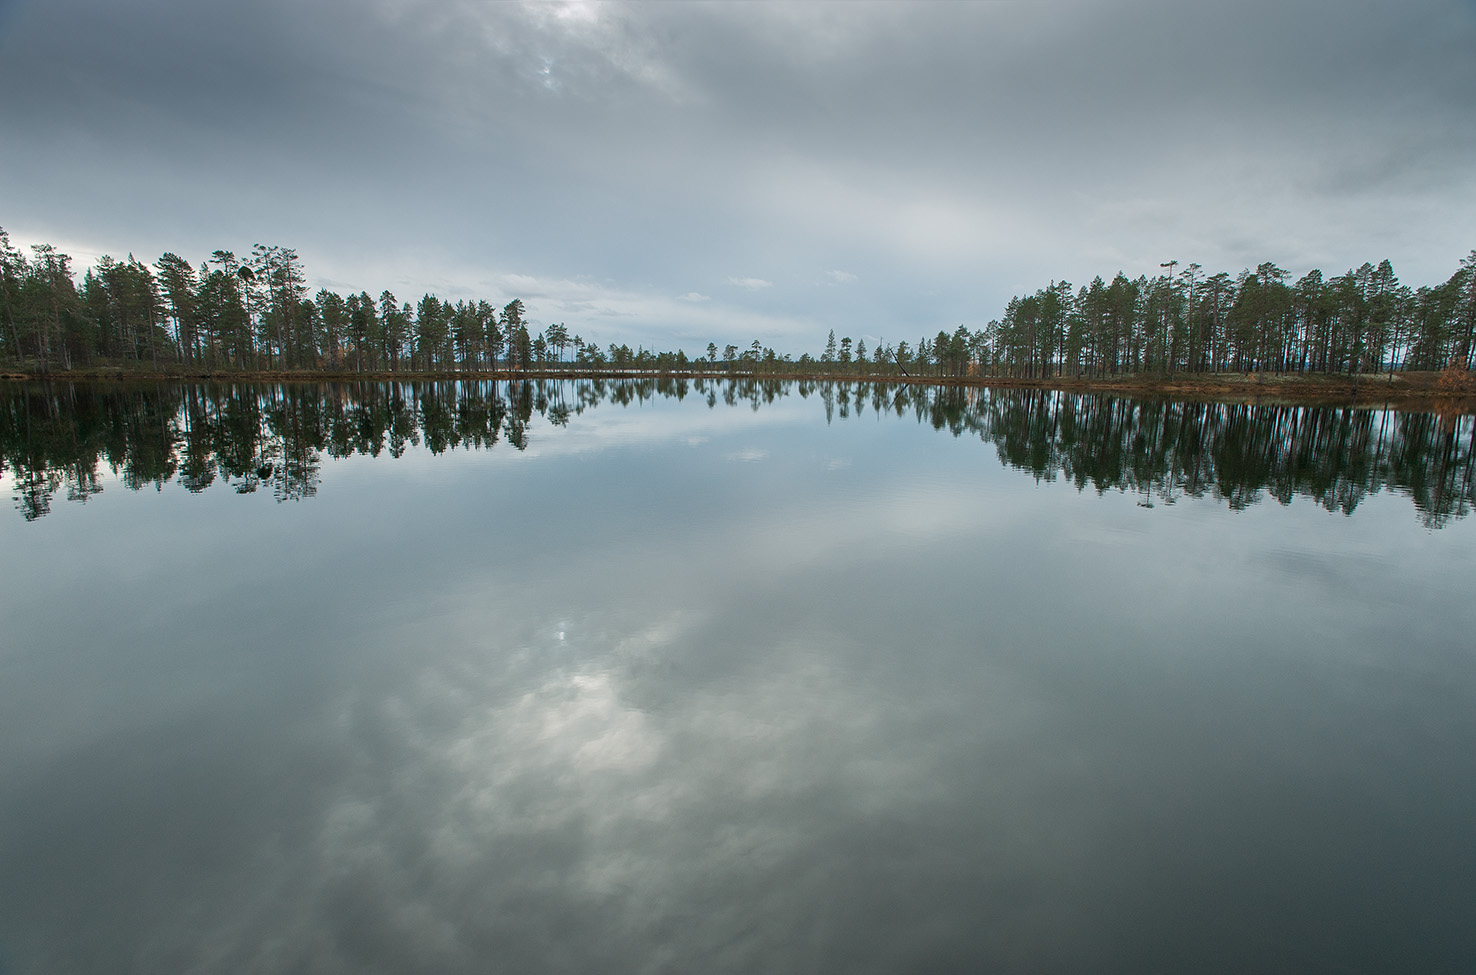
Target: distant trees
254,313
557,338
519,343
123,311
235,313
1362,321
285,318
178,287
1257,321
49,319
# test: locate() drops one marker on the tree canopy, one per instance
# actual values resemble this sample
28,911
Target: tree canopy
254,313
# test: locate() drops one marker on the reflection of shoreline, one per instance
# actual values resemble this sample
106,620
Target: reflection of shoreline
273,436
1405,390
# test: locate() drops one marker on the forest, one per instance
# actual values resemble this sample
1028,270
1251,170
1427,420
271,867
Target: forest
272,437
254,314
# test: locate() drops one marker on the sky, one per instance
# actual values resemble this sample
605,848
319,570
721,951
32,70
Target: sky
669,174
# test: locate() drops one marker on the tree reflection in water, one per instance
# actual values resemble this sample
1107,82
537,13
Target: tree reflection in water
273,437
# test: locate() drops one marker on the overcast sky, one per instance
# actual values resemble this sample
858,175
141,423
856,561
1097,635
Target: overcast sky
673,173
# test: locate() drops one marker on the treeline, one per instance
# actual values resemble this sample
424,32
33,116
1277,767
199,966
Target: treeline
254,313
1363,321
249,313
61,438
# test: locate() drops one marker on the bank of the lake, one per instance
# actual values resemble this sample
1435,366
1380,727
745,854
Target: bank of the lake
1424,391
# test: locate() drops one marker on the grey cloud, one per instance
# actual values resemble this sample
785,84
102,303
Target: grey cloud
947,154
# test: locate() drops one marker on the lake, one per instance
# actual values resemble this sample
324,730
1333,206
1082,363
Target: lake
731,676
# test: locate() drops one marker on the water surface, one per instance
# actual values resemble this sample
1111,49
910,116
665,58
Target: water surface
752,678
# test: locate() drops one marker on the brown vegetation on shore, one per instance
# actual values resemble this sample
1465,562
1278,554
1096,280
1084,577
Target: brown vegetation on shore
1452,390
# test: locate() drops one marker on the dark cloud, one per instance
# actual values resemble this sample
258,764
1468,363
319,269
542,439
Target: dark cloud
948,154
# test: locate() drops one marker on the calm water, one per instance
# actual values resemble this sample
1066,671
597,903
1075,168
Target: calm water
587,678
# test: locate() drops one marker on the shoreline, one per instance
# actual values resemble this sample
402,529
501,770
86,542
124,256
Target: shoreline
1405,390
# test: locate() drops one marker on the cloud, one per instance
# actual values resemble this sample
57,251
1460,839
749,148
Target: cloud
946,156
601,311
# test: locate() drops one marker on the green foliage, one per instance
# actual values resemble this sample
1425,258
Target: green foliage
1360,321
256,314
